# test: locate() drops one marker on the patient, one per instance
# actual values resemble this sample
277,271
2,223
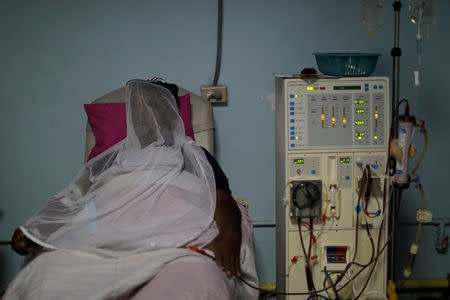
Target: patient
129,215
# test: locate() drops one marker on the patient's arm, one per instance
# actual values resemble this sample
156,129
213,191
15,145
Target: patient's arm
21,243
227,244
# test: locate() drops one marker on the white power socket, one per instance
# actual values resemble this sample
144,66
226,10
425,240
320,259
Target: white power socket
214,94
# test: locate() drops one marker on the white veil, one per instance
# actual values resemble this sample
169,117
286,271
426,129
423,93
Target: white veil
155,189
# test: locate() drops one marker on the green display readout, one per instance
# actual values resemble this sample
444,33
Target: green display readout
359,111
360,123
299,161
359,133
346,87
344,160
359,101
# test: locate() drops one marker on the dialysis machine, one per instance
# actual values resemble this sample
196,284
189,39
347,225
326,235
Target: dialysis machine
331,153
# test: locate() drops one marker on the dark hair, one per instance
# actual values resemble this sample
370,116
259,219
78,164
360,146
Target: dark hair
173,88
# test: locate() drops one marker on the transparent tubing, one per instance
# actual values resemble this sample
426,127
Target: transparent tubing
415,246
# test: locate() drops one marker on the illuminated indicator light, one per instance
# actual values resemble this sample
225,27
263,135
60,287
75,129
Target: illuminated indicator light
298,161
344,120
376,116
359,138
296,137
333,119
359,111
344,160
360,123
296,96
309,88
316,88
359,101
375,138
323,117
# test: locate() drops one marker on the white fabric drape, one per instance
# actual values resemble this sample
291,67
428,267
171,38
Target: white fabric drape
128,213
153,190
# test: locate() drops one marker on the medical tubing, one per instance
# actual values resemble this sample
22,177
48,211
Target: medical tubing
356,242
309,250
363,267
394,226
331,283
219,41
309,278
375,260
415,246
374,263
425,148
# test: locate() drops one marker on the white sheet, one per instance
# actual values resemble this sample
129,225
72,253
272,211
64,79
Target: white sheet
75,274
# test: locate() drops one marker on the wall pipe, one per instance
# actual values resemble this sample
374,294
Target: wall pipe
417,284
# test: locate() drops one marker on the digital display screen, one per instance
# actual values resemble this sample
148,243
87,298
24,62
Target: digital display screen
346,87
359,111
359,101
359,133
344,160
360,123
299,161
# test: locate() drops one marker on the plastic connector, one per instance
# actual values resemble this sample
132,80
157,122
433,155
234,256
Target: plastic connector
414,248
424,216
421,124
294,259
415,178
407,272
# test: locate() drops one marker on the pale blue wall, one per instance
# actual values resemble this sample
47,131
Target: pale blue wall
57,55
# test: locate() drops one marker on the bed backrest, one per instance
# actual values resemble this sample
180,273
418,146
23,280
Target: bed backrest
201,118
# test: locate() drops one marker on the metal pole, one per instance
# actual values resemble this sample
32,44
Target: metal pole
396,52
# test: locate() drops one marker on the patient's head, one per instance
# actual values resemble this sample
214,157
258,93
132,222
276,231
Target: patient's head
152,114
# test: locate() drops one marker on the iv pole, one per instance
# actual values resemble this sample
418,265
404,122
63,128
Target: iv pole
396,52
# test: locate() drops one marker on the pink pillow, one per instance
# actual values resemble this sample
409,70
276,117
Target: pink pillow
184,109
108,121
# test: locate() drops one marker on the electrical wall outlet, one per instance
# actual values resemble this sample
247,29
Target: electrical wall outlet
214,94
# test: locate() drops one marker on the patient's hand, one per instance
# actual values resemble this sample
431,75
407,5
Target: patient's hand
20,243
227,245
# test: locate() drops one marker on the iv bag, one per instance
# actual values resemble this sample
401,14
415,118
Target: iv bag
372,14
422,12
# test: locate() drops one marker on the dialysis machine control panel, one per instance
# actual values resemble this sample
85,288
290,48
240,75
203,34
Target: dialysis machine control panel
336,114
332,138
